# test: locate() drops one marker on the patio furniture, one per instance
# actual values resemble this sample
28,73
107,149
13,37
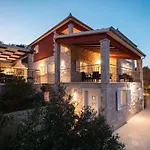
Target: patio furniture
84,77
95,76
125,77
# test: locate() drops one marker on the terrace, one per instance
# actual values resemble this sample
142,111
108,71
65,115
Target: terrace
94,56
11,65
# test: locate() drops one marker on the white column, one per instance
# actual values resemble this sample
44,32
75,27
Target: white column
57,63
70,28
105,52
30,66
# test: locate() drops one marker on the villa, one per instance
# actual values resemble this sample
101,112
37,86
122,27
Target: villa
101,68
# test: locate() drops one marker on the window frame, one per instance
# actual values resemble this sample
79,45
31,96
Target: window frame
128,96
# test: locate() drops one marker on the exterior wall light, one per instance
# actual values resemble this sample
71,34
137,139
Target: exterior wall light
98,62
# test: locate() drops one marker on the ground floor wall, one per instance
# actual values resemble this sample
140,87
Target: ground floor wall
119,107
116,116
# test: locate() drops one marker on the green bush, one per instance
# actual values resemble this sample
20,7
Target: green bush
17,95
57,127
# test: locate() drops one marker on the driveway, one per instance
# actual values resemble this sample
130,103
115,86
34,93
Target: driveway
136,133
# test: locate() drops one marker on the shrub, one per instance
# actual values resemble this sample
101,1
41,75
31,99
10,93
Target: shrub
57,127
16,95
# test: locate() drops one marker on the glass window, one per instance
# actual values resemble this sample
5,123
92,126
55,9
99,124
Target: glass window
123,98
64,49
43,69
83,67
52,68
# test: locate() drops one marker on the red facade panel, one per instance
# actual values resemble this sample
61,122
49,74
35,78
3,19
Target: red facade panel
45,48
46,45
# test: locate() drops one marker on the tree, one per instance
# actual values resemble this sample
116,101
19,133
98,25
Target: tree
146,79
57,127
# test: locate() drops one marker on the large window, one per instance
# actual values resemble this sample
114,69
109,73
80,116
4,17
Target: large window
123,98
83,67
43,69
64,49
52,68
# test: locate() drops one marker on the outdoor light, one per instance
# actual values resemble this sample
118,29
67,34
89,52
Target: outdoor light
7,70
98,62
41,65
75,95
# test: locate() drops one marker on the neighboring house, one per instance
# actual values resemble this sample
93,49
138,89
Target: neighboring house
101,68
11,62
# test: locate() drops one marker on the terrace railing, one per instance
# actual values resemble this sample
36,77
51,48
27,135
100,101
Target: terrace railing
89,73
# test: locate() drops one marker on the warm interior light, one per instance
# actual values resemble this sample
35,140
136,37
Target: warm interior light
63,65
98,62
41,65
7,70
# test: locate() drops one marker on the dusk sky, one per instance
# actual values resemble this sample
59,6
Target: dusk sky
22,21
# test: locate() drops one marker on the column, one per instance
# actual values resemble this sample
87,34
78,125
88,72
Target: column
104,51
70,28
30,67
140,69
57,62
118,67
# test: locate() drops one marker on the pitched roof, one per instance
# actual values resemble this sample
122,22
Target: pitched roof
64,21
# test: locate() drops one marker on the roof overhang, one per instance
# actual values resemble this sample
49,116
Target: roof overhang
116,38
60,24
9,53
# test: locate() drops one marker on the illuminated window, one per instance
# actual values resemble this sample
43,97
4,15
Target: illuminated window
123,98
64,49
52,68
83,67
43,69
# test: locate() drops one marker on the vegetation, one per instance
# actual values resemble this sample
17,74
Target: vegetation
57,127
17,94
146,78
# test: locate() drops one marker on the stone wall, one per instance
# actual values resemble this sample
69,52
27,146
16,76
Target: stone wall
65,66
117,118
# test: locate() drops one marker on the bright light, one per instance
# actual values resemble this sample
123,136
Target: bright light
98,62
7,70
75,96
41,65
63,65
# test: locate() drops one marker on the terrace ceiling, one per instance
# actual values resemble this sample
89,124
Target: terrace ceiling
92,42
12,53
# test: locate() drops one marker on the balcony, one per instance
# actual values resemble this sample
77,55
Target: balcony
89,73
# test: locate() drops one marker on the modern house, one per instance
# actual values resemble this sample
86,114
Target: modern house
101,68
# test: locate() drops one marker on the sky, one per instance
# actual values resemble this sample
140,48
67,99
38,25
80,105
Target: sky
22,21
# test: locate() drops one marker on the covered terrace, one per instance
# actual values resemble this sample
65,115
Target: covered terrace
11,62
109,45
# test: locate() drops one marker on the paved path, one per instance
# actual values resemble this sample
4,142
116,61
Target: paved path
136,133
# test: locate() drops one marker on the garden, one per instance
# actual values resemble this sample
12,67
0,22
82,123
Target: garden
53,125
